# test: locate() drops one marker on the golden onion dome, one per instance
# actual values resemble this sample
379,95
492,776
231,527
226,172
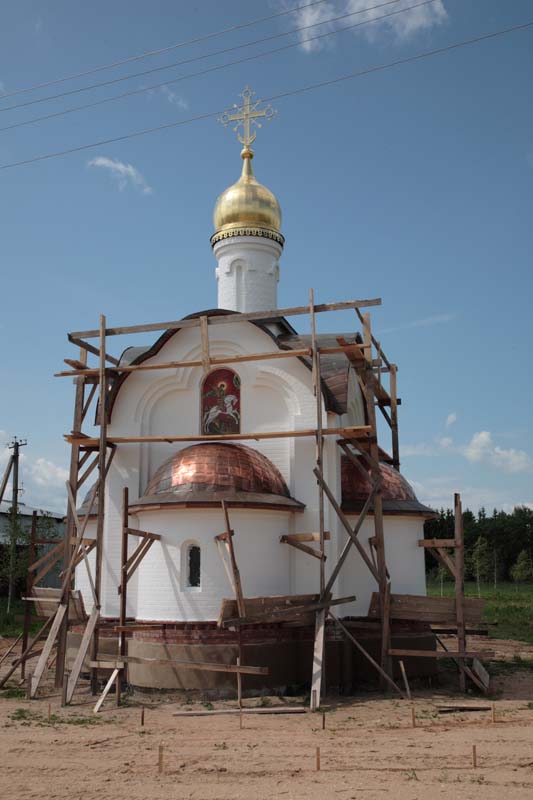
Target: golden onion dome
247,208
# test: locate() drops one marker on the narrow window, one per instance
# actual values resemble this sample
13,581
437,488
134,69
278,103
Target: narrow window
221,402
193,566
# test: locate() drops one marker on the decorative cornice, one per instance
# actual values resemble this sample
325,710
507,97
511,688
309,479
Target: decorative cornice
265,233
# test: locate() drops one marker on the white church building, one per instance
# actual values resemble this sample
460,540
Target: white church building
268,485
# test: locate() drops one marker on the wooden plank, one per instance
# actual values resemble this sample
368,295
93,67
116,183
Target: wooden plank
460,610
353,431
102,663
445,559
253,605
191,363
221,711
440,653
306,537
199,665
274,313
82,652
280,614
435,544
479,670
304,548
25,654
147,534
427,609
50,554
346,524
233,561
90,348
204,335
318,659
47,649
109,684
123,585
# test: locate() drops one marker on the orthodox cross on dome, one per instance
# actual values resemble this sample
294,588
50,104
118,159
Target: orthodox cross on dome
247,117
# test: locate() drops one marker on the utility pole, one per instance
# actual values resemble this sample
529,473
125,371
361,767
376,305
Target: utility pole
15,445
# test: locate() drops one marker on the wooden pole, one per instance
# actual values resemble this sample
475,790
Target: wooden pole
493,712
123,588
160,760
394,416
29,590
384,588
102,448
142,716
474,756
460,588
318,759
77,421
413,717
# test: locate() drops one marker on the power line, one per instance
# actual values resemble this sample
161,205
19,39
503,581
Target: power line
281,96
160,51
208,70
223,51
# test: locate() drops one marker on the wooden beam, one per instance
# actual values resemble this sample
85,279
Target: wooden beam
440,653
82,652
200,665
306,537
435,544
180,324
145,534
47,649
212,361
347,526
91,348
112,678
233,561
304,548
278,614
459,585
351,432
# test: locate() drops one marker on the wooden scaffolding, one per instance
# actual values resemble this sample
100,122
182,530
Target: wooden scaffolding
376,376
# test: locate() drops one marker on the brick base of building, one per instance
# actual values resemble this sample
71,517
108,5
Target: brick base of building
286,652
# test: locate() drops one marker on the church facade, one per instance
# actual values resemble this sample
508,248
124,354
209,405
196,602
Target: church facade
176,489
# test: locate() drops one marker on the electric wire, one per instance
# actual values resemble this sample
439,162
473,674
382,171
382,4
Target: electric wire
190,60
160,51
209,70
281,96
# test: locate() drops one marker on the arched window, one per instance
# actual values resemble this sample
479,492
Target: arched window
192,566
221,402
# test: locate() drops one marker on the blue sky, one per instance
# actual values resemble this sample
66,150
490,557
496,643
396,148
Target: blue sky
413,184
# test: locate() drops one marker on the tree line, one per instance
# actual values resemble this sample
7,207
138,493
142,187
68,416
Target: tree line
497,547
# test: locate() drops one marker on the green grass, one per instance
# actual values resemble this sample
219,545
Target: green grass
11,624
510,606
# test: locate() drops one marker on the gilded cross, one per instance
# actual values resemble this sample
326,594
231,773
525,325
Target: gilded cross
247,117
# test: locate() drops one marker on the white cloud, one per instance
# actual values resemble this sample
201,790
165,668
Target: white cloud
438,493
425,322
421,449
481,449
124,174
42,482
401,25
451,419
174,98
445,442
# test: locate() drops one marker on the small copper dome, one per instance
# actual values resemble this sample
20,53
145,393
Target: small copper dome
205,474
398,495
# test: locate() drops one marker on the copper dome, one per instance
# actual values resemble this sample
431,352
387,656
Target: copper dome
398,495
205,474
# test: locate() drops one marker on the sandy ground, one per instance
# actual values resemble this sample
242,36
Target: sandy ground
367,750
